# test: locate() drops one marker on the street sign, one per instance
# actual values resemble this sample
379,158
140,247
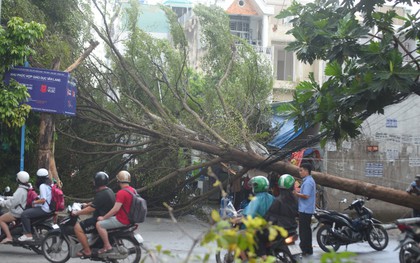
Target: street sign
50,90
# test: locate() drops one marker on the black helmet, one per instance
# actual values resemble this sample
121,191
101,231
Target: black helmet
101,179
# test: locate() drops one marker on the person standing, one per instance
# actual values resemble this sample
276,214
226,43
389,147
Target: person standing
414,188
306,204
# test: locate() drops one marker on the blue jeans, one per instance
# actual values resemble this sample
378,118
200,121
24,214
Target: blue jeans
27,215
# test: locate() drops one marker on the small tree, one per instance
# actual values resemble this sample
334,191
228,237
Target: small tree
369,65
16,42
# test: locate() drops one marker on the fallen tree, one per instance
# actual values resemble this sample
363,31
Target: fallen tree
155,106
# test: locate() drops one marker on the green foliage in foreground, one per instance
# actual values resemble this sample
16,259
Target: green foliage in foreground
15,46
236,240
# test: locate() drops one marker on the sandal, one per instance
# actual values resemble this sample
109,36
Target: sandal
6,241
82,254
104,250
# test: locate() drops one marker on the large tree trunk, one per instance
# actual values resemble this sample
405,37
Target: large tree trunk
45,139
356,187
47,126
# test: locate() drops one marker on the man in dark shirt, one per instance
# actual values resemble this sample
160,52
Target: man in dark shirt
103,202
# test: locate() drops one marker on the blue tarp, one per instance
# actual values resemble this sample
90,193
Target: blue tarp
286,132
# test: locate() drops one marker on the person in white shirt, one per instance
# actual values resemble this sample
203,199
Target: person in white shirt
16,204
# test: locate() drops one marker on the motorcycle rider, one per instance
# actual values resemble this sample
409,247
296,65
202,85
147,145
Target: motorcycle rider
116,217
258,206
103,202
15,204
414,188
40,206
284,210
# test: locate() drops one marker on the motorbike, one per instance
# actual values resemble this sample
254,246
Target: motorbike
339,229
409,239
40,227
283,249
61,243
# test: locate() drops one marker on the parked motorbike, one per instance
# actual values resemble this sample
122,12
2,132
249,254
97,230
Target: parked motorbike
61,243
409,239
339,229
40,227
283,249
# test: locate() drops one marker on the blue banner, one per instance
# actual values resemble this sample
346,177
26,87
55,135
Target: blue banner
50,90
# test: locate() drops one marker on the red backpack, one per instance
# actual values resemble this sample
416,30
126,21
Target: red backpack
32,196
57,198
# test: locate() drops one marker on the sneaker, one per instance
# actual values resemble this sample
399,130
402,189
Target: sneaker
24,238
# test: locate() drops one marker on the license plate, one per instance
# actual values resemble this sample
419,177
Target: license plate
55,226
139,238
294,249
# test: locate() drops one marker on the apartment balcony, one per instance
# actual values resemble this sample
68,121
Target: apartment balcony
283,90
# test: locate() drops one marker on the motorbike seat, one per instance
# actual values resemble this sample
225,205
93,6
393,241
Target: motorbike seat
126,227
42,218
346,216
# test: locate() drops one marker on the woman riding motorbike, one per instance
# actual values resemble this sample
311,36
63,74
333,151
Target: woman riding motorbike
258,206
15,204
40,207
284,210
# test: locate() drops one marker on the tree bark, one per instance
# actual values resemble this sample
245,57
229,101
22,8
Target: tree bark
356,187
47,126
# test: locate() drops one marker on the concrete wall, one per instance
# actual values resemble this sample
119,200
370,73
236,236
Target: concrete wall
396,134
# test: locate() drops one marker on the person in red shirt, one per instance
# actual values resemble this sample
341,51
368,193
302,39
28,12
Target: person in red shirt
116,217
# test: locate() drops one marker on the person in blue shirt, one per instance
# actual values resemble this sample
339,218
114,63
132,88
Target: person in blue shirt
414,188
306,205
259,206
262,200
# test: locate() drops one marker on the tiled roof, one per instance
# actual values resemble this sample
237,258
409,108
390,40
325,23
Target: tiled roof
246,9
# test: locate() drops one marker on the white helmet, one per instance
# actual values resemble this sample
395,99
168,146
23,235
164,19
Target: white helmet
42,172
123,177
22,177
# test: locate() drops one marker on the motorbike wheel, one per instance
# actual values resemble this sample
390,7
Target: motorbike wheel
39,233
284,256
326,240
55,248
406,256
225,257
378,237
128,245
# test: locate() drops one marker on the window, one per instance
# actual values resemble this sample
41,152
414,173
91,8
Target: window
285,65
239,26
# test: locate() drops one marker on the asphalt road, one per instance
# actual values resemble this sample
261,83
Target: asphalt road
178,238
